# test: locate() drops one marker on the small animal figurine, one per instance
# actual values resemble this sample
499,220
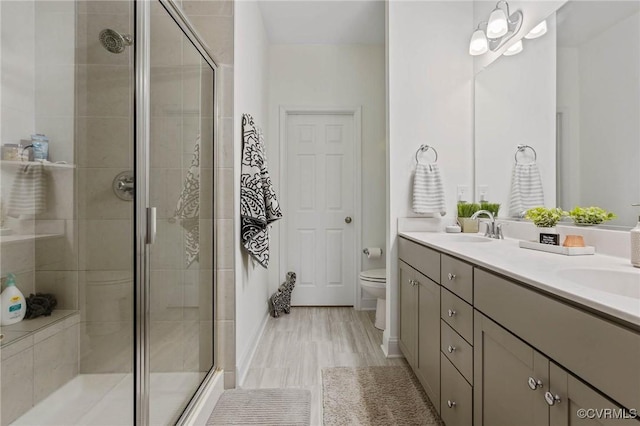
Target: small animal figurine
280,301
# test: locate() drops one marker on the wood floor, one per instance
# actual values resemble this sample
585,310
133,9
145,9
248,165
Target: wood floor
294,348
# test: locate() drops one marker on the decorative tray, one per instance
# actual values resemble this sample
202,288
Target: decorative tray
567,251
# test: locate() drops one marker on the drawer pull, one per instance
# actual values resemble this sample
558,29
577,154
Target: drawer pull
451,312
451,404
534,384
551,398
451,276
451,349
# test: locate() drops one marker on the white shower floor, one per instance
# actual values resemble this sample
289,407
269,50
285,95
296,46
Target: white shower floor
107,399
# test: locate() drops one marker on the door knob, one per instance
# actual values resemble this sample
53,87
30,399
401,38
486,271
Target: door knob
347,219
551,398
534,384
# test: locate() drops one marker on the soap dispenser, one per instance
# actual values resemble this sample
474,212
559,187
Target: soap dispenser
635,244
12,303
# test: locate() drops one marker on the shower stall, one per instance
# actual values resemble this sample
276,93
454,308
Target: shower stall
107,192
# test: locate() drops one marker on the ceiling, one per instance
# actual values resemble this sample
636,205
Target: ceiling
324,22
580,21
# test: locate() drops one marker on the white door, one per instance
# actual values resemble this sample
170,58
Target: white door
320,222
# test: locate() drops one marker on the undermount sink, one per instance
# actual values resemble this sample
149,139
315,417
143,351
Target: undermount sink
468,239
621,283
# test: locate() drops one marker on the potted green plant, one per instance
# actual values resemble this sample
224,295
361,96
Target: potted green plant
465,211
494,208
588,216
546,220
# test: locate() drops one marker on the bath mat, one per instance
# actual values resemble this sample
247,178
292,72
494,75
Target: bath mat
375,396
263,407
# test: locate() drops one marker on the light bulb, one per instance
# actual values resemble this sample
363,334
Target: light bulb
497,26
478,44
538,31
515,49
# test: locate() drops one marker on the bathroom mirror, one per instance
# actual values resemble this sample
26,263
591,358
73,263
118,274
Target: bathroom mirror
574,96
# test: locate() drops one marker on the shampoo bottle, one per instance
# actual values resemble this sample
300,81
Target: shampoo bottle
12,303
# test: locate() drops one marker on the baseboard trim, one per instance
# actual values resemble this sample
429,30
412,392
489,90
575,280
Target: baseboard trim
245,360
198,413
391,348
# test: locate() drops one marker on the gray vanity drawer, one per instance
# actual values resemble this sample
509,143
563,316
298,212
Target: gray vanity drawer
455,391
421,258
459,352
604,354
457,276
457,313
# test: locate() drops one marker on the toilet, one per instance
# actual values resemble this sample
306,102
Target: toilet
374,282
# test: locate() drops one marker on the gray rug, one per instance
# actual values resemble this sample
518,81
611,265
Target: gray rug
375,396
263,407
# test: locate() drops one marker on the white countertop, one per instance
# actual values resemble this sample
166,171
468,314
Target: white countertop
538,269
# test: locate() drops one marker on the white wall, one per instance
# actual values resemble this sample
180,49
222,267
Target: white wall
430,98
515,103
334,76
609,111
251,49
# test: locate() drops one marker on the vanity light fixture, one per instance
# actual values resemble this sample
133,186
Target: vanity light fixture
537,31
515,49
478,44
500,28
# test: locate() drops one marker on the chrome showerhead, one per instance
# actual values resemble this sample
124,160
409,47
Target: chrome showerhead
113,41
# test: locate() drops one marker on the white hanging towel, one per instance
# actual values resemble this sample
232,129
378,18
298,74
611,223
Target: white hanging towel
526,189
28,194
428,190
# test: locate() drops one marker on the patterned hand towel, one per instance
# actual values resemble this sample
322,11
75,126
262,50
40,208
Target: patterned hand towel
526,189
28,194
188,208
428,190
258,203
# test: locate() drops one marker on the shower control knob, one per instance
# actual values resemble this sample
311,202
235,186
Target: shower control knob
451,276
451,349
451,404
451,312
347,219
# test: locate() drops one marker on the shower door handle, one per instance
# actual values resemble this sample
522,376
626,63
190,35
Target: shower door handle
151,225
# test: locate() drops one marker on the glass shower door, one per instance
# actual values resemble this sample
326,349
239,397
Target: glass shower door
181,188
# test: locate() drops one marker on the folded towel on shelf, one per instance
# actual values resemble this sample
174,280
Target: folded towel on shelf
428,190
526,189
188,208
258,203
28,195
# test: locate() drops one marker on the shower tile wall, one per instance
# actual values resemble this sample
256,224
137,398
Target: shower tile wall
213,19
37,86
104,148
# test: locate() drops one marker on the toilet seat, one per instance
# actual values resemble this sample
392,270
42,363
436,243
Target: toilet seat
374,276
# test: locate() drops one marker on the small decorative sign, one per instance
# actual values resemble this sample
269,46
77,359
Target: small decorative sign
551,239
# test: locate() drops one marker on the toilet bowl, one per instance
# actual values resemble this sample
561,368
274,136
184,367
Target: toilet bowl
374,282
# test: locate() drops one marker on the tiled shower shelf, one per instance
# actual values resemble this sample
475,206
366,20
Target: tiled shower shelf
40,328
29,163
19,238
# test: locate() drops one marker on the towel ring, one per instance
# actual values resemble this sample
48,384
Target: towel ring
425,148
521,148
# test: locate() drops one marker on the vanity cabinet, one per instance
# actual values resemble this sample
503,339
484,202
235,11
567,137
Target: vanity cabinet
501,352
420,324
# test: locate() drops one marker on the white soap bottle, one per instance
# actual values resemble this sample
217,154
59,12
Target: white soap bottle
635,244
12,303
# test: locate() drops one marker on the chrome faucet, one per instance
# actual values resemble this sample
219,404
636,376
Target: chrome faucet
493,230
